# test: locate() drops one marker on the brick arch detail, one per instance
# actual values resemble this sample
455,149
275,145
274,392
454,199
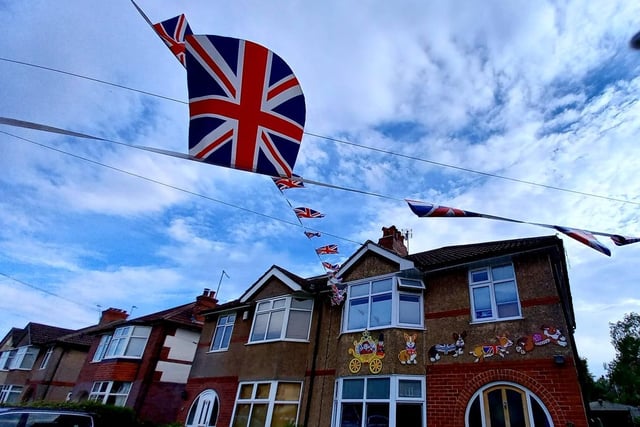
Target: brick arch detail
508,375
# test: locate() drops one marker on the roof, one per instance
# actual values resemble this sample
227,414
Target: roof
462,254
35,334
603,405
294,282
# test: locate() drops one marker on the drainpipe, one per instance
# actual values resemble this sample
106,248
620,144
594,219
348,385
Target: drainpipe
314,361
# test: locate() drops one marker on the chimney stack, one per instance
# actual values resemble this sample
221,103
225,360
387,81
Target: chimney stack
204,302
111,315
393,240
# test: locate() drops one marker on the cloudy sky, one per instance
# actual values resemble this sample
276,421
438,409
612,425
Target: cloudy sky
542,92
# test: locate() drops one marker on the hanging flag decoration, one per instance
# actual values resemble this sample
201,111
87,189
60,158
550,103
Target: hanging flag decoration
312,234
622,240
327,250
584,237
286,183
331,267
302,212
246,106
423,209
173,32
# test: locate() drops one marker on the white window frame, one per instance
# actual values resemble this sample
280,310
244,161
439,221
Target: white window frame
101,350
399,286
8,391
491,283
221,331
270,401
530,396
5,359
393,400
102,391
27,352
120,343
276,305
47,356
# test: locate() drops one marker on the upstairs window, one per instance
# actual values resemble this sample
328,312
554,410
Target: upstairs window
285,318
494,293
101,351
222,334
5,359
380,303
128,341
24,358
45,359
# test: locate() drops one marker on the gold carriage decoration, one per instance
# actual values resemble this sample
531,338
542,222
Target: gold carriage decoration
367,350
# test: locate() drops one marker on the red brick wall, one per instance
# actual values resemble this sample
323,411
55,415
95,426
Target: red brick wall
225,387
450,388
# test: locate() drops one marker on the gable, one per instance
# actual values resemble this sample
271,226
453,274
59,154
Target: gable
273,283
372,260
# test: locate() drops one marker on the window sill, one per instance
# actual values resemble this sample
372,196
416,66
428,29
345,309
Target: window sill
383,328
222,350
274,341
506,319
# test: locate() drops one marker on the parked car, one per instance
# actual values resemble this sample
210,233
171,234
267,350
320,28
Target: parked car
36,417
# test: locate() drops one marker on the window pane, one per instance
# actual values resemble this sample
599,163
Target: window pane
222,321
358,311
475,417
352,389
298,326
359,290
217,339
262,391
502,272
380,310
409,388
279,303
506,292
479,276
304,304
381,286
275,325
515,403
136,347
258,416
377,415
482,302
266,305
539,417
242,415
351,415
508,310
245,391
409,309
409,415
288,391
284,415
260,327
496,410
227,336
378,388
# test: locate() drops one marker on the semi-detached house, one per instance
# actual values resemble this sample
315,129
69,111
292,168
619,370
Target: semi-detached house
469,335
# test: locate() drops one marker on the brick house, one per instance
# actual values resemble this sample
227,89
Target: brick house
37,362
143,363
469,335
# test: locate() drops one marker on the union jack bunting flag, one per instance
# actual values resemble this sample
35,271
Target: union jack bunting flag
622,240
330,267
584,237
286,183
423,209
172,32
246,106
327,250
311,234
302,212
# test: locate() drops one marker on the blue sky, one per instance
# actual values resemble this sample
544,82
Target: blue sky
545,92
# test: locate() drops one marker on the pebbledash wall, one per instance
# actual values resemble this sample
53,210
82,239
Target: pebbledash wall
460,362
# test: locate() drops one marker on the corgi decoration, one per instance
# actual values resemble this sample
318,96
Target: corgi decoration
483,351
409,355
456,348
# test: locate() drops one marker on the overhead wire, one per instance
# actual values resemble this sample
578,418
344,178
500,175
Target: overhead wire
343,141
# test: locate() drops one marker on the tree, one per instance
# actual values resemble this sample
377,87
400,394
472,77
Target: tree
624,371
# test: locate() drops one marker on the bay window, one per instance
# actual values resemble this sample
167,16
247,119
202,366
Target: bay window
384,302
110,392
128,341
284,318
269,403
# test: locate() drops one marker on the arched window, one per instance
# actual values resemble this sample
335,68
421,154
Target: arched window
204,410
506,405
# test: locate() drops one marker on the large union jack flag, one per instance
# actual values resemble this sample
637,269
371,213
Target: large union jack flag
172,32
327,250
246,106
